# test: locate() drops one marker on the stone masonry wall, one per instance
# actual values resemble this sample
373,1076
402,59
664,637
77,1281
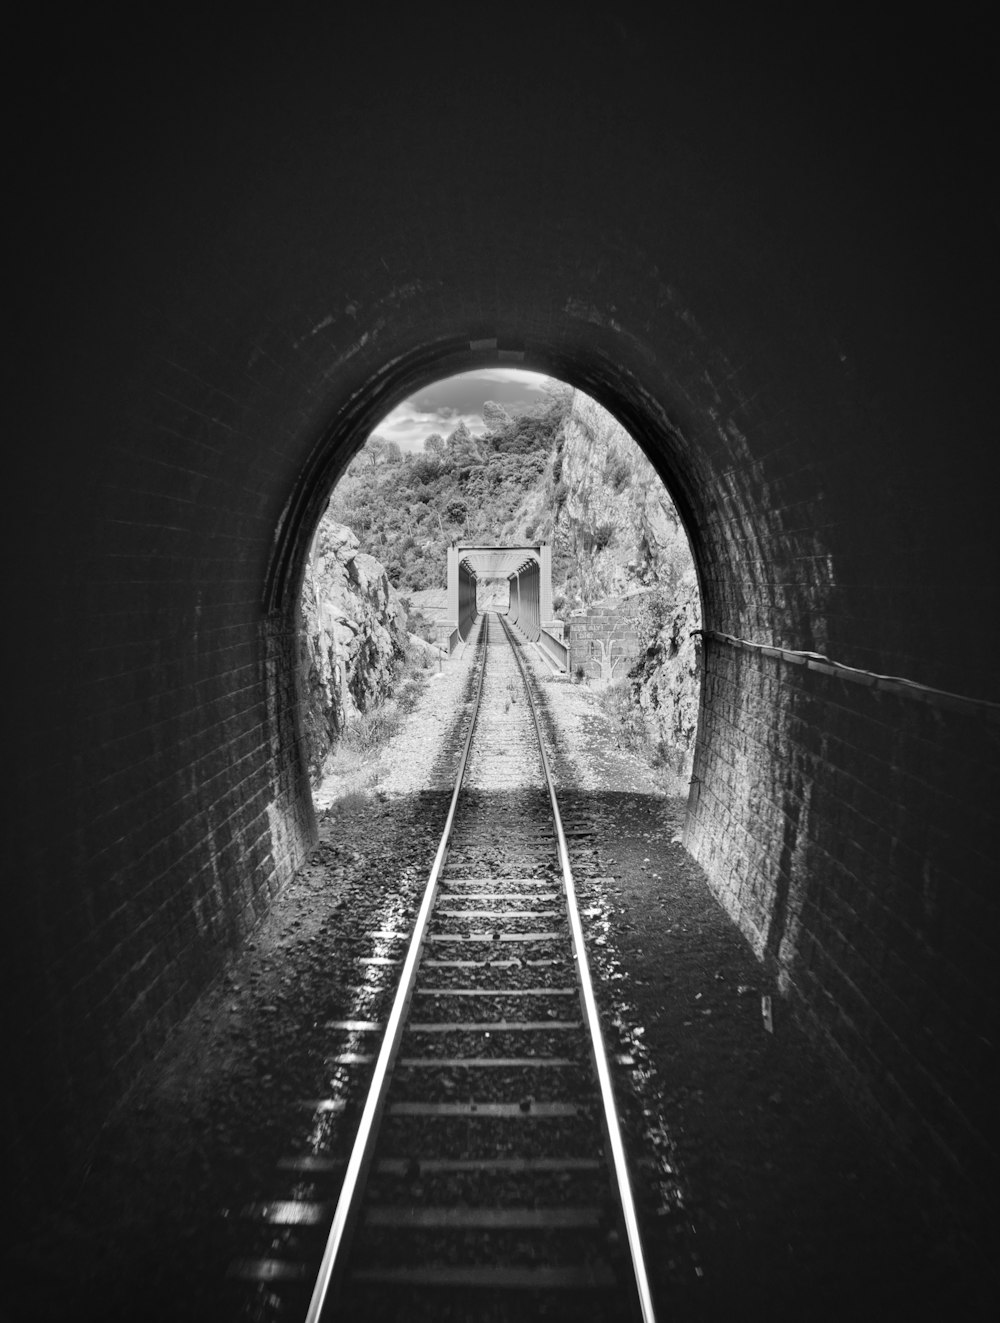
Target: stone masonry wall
603,643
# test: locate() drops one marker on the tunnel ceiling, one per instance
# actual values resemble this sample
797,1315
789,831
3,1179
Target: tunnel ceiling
758,241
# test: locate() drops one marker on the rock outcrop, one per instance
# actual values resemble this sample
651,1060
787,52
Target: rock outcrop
665,685
616,518
624,534
352,637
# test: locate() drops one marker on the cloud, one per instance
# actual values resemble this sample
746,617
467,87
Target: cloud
442,405
529,380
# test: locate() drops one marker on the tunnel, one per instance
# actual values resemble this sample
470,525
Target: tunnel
765,247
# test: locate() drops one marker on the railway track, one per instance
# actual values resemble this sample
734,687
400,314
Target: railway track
487,1179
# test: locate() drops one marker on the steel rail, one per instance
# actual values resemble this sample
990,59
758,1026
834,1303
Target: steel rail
344,1217
615,1142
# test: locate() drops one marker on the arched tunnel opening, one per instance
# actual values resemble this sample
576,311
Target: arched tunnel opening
549,514
766,248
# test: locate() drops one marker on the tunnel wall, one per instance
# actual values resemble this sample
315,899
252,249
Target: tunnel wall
783,291
816,808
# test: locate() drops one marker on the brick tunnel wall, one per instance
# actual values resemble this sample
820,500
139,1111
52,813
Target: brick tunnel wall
855,865
785,296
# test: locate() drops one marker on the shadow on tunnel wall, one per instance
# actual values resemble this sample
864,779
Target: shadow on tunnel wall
868,917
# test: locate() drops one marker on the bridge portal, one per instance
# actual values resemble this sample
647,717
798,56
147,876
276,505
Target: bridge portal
527,571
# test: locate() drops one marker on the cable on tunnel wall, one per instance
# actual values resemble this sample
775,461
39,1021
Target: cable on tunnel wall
815,661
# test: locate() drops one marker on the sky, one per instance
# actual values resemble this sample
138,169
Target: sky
441,406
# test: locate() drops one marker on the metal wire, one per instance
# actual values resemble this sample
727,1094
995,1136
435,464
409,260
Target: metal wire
815,661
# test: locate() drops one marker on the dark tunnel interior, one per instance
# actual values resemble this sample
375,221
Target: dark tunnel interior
767,245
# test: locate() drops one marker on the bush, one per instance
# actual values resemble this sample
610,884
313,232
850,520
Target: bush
603,536
369,731
417,623
627,720
617,473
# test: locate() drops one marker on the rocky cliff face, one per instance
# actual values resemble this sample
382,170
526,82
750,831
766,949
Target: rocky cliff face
621,532
666,685
616,520
353,635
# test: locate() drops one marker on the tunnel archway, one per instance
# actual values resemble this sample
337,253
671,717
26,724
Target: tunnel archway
738,545
725,567
318,482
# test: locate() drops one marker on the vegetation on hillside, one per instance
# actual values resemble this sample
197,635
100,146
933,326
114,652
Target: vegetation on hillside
407,508
564,472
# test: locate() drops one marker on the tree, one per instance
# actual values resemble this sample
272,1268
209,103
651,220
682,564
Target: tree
392,452
435,444
375,448
558,397
463,448
495,416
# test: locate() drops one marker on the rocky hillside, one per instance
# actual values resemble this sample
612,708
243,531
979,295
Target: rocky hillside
665,685
601,504
353,635
407,509
617,531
